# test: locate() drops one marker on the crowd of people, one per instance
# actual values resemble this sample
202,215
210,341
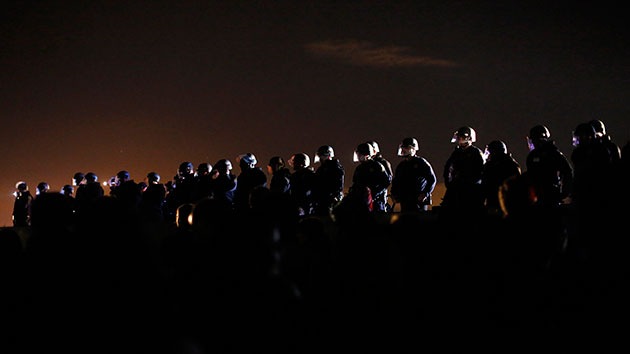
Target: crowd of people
212,261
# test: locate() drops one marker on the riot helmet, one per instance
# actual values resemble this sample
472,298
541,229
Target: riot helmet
67,189
185,169
406,146
323,153
91,177
42,187
153,177
496,147
122,175
539,133
465,132
583,133
21,186
78,178
600,128
204,168
363,152
247,161
299,160
223,166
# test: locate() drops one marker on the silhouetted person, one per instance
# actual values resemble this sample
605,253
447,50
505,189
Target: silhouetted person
370,174
251,176
153,202
22,205
462,175
549,169
280,175
42,187
203,181
329,183
414,179
224,183
499,166
302,182
378,157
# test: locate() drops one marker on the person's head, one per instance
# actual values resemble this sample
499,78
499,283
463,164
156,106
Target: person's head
223,166
495,148
21,186
123,176
246,161
275,163
464,136
538,134
67,190
204,168
325,152
299,160
363,152
78,178
91,177
374,144
408,147
42,187
600,128
186,169
583,134
153,178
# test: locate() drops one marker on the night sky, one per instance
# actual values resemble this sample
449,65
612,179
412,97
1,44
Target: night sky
103,86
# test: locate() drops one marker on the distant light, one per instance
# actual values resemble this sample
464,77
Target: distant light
104,184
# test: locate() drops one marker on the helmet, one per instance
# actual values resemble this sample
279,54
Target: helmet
67,189
598,125
276,162
299,160
324,152
91,177
374,144
247,160
464,132
42,187
583,133
78,178
204,167
539,133
153,177
223,165
185,168
122,175
21,185
407,143
363,149
496,147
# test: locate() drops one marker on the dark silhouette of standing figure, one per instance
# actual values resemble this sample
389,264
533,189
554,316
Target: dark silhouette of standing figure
251,176
548,168
280,176
329,182
499,166
462,174
414,179
370,175
22,205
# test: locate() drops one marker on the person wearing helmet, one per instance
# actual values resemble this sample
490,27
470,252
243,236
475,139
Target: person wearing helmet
499,166
280,176
224,183
203,181
602,136
414,179
370,175
153,202
78,178
302,183
42,187
184,186
462,175
378,157
593,168
250,178
329,182
127,192
22,205
548,168
89,191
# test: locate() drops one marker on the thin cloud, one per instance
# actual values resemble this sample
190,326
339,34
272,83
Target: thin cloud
365,53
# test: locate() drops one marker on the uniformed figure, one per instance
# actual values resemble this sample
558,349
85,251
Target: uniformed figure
499,166
414,179
22,205
370,175
329,182
462,174
548,168
302,183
